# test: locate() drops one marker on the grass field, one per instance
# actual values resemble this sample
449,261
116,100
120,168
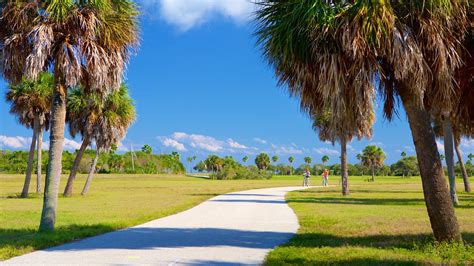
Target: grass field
383,223
380,223
114,202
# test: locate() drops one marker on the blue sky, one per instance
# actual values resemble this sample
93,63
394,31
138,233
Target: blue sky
201,86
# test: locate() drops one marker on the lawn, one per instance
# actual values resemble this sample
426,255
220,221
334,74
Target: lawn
114,202
382,223
379,223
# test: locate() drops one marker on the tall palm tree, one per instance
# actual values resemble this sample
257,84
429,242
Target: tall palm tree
408,49
403,154
342,131
31,103
116,116
85,42
373,157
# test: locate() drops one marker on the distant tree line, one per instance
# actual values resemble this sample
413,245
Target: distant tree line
371,163
140,162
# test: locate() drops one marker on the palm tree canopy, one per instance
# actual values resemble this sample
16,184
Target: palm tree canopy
85,42
325,159
326,50
372,156
105,120
32,98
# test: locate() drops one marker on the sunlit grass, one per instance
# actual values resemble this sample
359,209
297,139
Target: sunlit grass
382,223
114,202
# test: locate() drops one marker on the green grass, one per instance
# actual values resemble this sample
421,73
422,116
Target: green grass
379,223
382,223
114,202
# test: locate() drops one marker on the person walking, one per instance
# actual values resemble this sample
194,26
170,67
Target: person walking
306,175
325,177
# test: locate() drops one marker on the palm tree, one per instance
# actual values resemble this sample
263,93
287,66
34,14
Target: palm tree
84,42
291,159
308,160
275,158
245,159
324,159
317,46
83,115
262,161
31,102
403,155
373,157
331,129
88,113
190,160
147,149
470,156
116,116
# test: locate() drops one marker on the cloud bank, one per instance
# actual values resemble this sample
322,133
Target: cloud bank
186,14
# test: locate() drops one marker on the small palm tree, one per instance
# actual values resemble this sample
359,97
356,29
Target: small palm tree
31,103
262,161
147,149
324,159
90,113
275,158
117,115
373,157
245,159
308,160
81,42
403,154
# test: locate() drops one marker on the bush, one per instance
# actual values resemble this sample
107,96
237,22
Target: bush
241,172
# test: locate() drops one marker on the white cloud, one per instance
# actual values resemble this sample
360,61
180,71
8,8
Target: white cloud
173,144
234,144
326,151
121,147
259,140
16,142
179,140
284,149
71,144
200,141
186,14
467,143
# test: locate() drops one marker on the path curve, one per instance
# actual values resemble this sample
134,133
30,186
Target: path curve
237,228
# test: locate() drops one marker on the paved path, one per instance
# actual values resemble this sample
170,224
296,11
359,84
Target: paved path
238,228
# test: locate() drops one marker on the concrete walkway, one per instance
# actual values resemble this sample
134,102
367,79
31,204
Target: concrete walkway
238,228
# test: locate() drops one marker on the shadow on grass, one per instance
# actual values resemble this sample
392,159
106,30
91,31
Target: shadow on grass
466,201
359,201
17,239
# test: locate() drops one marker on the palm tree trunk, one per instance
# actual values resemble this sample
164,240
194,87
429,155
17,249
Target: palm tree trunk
39,160
373,172
449,157
75,166
91,172
467,186
440,209
344,170
56,142
31,156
